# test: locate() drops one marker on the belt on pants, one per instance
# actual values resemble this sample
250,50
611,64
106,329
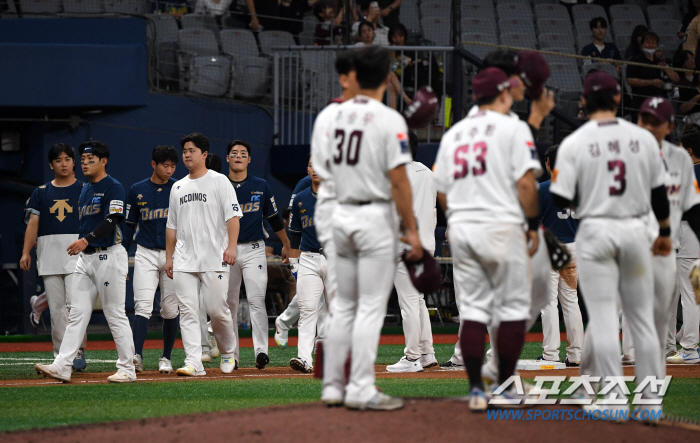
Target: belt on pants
364,202
152,249
91,250
314,251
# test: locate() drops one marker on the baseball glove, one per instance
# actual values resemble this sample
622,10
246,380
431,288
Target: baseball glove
559,255
695,280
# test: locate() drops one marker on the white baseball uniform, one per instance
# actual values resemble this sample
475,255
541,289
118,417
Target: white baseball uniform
371,140
199,210
611,166
683,194
414,313
688,336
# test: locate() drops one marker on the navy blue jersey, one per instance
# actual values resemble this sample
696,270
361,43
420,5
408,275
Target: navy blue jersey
147,207
57,208
302,220
304,183
560,222
256,201
696,167
97,201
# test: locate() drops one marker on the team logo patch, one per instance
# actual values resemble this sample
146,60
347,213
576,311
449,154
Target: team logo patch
274,205
116,207
403,141
140,196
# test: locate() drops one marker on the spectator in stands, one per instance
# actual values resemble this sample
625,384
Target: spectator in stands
217,8
371,13
688,88
600,48
649,82
328,23
692,35
635,47
365,34
390,12
263,13
291,14
693,8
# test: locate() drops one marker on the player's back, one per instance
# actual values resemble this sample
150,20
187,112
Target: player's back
424,196
612,165
370,140
479,164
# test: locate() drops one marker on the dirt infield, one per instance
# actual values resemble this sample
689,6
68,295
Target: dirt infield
677,371
420,421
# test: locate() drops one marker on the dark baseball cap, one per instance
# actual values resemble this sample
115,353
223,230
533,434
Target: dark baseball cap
659,107
600,82
425,273
533,70
490,82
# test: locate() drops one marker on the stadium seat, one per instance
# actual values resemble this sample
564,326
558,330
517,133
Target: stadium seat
479,25
511,9
270,39
163,34
127,6
201,21
551,11
554,26
587,13
202,69
318,77
250,70
40,6
663,12
627,12
523,26
625,27
556,40
410,17
435,8
83,6
310,22
565,77
473,9
664,26
478,50
436,30
519,40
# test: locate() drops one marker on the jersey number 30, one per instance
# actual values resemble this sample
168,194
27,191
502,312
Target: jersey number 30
352,148
462,155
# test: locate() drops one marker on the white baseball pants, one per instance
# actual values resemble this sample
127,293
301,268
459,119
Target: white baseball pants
149,274
688,336
311,280
614,262
563,289
251,269
414,313
58,289
213,285
366,239
323,220
291,314
100,274
204,323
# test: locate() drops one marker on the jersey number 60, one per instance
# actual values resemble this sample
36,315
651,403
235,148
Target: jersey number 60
353,147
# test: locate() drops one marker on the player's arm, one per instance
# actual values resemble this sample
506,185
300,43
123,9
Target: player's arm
661,208
105,228
272,216
170,242
294,238
539,109
233,227
527,195
30,236
132,216
401,191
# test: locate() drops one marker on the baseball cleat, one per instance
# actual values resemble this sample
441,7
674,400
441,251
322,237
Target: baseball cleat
682,357
541,358
380,402
571,364
50,371
281,335
190,371
213,348
121,377
261,360
164,366
478,400
206,357
79,362
228,364
452,366
428,361
299,364
406,365
138,363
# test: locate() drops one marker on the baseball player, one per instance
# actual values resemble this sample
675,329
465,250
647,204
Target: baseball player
656,115
563,223
419,353
59,226
200,245
485,177
311,270
101,269
258,203
612,169
368,170
147,212
687,255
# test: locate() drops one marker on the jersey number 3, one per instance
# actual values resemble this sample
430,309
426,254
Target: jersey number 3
352,148
617,167
478,150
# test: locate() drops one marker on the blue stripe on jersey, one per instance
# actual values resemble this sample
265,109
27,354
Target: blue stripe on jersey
97,201
304,183
256,201
57,208
558,221
147,205
302,219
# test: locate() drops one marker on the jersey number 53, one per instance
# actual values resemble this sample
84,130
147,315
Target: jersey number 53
466,153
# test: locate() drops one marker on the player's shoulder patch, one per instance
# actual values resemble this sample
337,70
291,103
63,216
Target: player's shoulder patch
42,187
116,207
404,142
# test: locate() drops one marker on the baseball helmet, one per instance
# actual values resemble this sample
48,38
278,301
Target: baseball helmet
425,273
423,109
